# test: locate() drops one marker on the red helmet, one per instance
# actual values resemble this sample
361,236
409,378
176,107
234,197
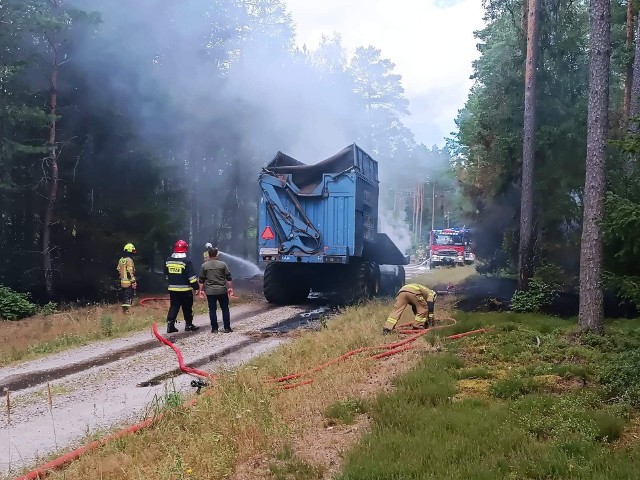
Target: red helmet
180,247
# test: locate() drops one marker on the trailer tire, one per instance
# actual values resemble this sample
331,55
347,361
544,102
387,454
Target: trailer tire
280,286
400,278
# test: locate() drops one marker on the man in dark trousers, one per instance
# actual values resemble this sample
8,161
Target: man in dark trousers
182,285
215,281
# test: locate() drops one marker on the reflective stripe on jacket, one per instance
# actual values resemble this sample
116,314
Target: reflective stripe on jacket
127,271
418,289
179,272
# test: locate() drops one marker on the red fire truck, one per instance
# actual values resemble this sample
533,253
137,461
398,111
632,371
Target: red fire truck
451,247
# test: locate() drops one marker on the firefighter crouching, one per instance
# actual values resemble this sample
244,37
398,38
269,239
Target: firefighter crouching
127,272
182,285
422,301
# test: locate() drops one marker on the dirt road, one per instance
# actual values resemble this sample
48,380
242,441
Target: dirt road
60,400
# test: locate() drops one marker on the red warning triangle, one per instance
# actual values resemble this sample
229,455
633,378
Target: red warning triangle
267,234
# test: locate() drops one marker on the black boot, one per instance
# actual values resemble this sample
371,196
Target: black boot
190,327
171,327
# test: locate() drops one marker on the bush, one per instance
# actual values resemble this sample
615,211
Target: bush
539,295
15,305
346,411
48,309
514,387
620,376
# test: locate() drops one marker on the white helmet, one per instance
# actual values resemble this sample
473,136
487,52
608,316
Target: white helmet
208,245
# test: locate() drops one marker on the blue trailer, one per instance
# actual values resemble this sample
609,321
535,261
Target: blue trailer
318,230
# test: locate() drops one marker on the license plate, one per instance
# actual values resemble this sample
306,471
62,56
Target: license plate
268,251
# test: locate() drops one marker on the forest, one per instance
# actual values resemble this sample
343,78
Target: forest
150,123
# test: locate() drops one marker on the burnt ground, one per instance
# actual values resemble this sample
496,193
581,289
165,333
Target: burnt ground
480,293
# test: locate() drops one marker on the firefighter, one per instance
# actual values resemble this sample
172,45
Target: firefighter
422,300
205,255
182,286
127,272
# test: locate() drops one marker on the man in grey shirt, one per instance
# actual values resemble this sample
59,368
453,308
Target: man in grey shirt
215,282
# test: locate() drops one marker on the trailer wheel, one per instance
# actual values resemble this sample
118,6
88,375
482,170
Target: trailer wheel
361,282
400,278
281,285
392,280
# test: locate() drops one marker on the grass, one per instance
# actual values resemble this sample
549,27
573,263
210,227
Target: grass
45,334
445,275
244,420
345,411
539,419
527,400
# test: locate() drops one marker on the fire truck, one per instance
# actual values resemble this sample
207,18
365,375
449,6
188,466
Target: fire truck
451,247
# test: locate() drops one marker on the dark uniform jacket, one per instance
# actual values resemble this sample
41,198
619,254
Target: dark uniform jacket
179,271
215,275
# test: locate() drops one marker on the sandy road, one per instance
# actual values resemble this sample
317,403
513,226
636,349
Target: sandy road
104,394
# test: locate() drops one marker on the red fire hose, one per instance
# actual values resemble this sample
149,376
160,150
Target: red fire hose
183,367
389,349
152,299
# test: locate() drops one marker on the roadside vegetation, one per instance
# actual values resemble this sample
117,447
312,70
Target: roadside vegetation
444,275
532,398
52,330
245,427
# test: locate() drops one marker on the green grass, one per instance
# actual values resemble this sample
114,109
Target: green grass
550,415
345,411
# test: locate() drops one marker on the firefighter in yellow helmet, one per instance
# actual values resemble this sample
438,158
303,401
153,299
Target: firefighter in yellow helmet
422,300
127,272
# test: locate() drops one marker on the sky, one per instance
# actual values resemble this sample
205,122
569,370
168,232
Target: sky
430,41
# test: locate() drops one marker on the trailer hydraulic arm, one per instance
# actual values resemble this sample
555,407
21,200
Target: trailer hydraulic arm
297,232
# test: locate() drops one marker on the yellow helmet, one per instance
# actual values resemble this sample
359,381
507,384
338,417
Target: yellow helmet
129,248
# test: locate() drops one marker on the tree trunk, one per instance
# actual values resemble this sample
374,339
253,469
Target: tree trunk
525,250
626,102
524,11
591,312
52,161
634,104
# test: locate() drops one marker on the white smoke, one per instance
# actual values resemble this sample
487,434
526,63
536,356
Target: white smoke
395,225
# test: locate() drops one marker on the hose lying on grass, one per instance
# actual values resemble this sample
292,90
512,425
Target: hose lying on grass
387,350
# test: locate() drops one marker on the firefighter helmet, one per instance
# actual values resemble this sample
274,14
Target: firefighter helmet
129,248
181,247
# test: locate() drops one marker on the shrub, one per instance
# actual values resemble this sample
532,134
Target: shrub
514,387
48,309
106,325
539,295
346,410
15,305
620,376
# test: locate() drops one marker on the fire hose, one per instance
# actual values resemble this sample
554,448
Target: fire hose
388,350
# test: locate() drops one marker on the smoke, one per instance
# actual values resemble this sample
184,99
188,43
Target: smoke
214,88
395,225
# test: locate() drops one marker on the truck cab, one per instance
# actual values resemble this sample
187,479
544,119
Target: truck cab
450,247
